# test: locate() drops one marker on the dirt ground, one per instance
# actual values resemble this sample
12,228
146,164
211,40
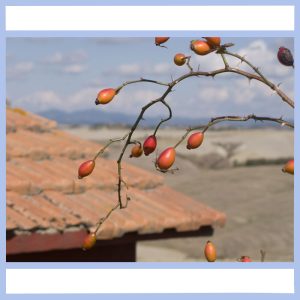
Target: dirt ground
258,200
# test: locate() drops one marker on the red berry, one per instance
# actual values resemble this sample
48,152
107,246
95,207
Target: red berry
89,241
210,252
245,259
105,96
195,140
166,158
86,168
136,151
160,40
179,59
289,167
200,47
285,57
149,144
213,42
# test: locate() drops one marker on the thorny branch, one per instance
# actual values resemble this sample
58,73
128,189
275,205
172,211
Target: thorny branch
222,51
217,120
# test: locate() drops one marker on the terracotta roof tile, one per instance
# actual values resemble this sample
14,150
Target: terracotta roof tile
145,214
24,143
61,175
43,191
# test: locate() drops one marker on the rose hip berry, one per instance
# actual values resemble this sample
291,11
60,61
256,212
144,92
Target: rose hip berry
105,96
179,59
200,47
195,140
149,144
214,42
136,151
245,259
289,167
285,57
166,158
89,241
160,40
86,168
210,252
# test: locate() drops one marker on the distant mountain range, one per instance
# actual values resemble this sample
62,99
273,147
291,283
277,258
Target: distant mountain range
96,117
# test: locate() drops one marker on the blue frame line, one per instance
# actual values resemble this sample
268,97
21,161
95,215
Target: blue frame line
142,33
281,265
2,148
147,2
152,265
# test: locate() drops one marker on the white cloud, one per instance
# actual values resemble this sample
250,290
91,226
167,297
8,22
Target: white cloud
39,101
213,94
129,69
55,58
160,69
73,69
139,70
19,69
76,56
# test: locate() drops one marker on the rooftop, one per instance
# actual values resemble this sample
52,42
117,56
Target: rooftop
44,196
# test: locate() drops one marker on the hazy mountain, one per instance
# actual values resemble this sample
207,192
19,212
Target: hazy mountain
96,117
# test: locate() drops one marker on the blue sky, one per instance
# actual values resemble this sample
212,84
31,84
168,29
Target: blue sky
67,73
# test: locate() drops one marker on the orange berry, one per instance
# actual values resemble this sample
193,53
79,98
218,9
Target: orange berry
89,241
86,168
200,47
136,151
179,59
245,259
213,42
160,40
195,140
210,252
166,158
105,96
289,167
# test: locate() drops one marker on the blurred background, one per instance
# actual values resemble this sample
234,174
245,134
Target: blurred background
237,170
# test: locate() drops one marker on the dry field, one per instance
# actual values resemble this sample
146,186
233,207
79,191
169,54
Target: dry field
223,173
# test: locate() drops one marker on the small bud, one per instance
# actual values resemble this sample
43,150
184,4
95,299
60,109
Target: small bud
86,168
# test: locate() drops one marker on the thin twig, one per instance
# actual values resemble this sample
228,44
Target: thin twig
140,80
103,219
101,151
164,120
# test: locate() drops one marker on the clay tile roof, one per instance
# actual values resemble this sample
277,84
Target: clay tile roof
44,193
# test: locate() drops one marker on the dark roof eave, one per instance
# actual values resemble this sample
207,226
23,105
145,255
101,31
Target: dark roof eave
37,242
